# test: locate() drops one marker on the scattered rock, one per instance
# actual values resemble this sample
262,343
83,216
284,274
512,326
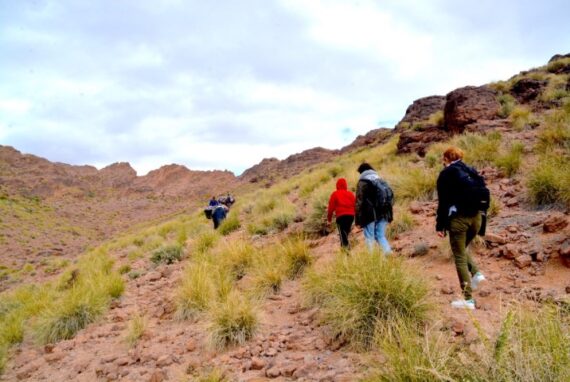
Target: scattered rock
157,376
523,261
458,328
447,290
568,289
555,223
511,251
485,293
257,363
153,276
495,239
165,360
272,372
191,345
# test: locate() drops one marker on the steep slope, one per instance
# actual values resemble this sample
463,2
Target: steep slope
524,257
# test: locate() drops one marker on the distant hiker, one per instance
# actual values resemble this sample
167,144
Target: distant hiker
213,202
219,214
374,200
228,200
463,200
341,203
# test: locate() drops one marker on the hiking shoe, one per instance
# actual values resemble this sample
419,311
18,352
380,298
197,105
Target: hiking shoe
475,280
464,304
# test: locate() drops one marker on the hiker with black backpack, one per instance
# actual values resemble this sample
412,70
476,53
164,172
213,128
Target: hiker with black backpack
341,203
463,200
374,201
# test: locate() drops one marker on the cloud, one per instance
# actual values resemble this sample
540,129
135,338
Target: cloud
224,84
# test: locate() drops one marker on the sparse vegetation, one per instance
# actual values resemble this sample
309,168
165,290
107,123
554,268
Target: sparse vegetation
230,224
167,255
366,295
511,161
296,254
403,221
507,103
532,345
233,321
136,329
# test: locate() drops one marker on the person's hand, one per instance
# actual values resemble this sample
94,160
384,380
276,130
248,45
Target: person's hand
441,233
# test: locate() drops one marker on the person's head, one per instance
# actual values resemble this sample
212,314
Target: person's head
363,167
213,198
341,184
451,155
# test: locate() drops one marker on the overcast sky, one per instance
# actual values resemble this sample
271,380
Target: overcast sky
224,84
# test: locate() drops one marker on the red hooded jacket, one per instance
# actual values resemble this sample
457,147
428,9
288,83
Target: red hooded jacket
341,201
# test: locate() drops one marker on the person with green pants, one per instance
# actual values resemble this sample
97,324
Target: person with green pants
462,222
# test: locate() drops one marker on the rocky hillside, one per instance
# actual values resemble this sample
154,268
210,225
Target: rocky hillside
270,297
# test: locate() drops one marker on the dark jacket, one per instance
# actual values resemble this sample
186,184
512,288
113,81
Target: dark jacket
341,202
366,213
449,194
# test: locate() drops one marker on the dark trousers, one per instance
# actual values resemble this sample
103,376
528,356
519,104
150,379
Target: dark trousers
462,230
344,224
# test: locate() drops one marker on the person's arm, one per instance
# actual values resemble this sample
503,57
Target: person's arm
444,193
331,207
358,203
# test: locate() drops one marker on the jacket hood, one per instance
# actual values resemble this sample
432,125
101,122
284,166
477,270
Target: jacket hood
369,175
341,184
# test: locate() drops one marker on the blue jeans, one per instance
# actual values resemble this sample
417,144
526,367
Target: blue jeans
376,232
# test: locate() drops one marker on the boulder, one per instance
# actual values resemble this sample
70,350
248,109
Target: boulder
555,223
418,141
527,89
469,105
523,261
420,110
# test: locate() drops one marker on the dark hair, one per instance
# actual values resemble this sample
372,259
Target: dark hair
363,167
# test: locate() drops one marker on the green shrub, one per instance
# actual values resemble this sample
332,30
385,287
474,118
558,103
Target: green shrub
521,116
411,357
549,181
365,295
125,268
63,320
136,329
167,255
403,221
230,224
494,207
196,291
556,65
507,103
233,321
236,257
436,118
268,275
205,241
296,254
511,161
316,224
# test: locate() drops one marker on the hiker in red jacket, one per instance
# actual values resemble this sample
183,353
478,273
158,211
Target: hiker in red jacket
341,203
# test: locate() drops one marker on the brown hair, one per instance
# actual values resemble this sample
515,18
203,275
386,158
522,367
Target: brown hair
452,154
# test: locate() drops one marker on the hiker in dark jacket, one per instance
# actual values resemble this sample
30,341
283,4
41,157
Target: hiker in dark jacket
371,217
341,203
219,214
462,225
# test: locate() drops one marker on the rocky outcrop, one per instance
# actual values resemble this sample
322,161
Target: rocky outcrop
420,110
469,105
268,169
527,89
118,174
412,141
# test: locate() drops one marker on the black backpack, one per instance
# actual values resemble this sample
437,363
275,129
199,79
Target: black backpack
384,194
474,196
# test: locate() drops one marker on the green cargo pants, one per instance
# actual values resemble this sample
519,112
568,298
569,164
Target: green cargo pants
462,229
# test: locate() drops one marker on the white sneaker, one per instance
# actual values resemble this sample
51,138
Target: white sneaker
463,304
475,280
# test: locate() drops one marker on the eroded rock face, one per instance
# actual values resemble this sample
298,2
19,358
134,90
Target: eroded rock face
419,141
372,138
469,105
527,89
421,109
